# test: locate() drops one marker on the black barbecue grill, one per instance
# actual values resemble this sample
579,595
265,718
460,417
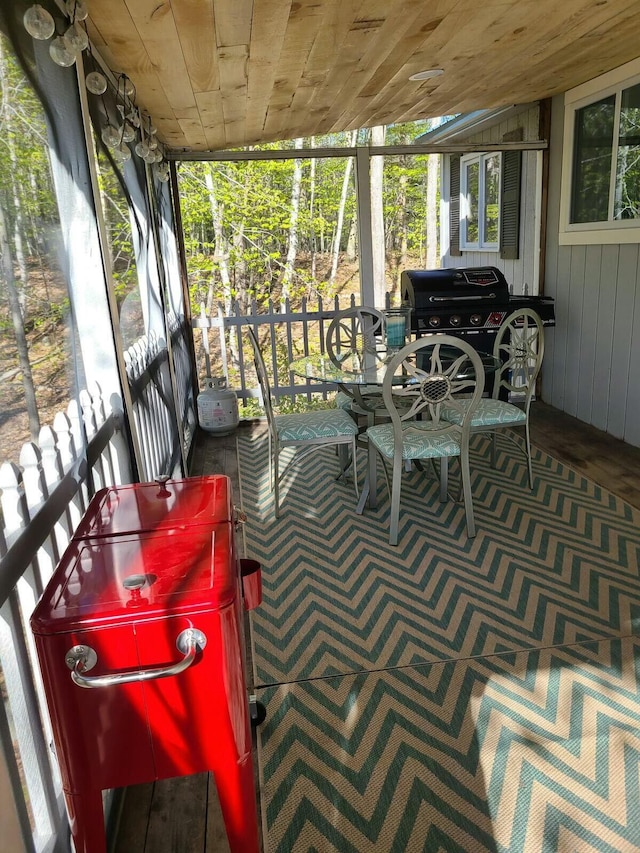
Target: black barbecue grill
470,302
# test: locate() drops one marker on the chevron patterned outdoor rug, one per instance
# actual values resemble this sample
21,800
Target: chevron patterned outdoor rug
447,694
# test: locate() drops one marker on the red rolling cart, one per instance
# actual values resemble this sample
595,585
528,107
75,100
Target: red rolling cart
139,635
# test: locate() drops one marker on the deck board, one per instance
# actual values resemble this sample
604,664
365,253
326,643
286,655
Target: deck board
177,822
607,461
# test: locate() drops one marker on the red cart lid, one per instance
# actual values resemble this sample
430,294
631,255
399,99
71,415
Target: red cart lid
113,579
152,506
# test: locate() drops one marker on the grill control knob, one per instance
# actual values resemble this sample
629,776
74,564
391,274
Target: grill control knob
475,319
456,320
434,322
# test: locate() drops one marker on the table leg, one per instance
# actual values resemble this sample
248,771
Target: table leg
345,461
364,494
373,477
368,493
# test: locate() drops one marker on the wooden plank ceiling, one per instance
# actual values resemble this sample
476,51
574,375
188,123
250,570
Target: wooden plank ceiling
217,74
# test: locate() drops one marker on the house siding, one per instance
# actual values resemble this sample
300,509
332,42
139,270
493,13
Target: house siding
590,356
523,270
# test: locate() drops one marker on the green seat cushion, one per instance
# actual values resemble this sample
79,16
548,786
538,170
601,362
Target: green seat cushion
345,400
308,426
489,413
419,442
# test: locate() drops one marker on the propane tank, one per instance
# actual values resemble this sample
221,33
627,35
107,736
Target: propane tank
217,407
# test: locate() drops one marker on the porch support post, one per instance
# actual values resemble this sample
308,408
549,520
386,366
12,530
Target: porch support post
142,233
363,197
177,261
165,297
94,312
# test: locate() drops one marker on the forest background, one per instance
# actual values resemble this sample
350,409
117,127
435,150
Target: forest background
263,230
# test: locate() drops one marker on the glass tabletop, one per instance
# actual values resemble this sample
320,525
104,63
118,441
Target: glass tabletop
350,370
367,369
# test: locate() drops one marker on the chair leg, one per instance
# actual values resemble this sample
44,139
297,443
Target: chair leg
368,494
276,479
396,479
494,441
354,464
364,494
343,458
444,479
468,499
527,443
270,462
373,476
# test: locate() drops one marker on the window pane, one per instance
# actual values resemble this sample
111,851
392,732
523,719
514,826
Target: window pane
473,176
491,199
592,161
627,194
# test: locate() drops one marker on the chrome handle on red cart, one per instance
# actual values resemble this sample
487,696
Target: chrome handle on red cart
81,659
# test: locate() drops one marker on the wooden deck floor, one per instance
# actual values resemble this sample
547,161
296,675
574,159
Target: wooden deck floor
183,815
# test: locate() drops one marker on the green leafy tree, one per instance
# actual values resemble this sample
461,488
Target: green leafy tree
238,215
28,215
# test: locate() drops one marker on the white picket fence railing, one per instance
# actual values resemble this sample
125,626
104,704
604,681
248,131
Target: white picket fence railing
285,335
43,497
165,421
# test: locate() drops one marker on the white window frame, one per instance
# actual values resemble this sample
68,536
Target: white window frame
588,233
481,244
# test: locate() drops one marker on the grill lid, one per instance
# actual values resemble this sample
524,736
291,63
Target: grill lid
432,289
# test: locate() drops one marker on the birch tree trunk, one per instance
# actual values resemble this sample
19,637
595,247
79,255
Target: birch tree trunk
292,252
240,265
404,223
18,229
6,260
16,295
340,222
352,241
8,97
312,224
221,256
221,248
377,218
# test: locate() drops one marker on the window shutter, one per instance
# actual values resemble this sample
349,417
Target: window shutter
454,205
510,205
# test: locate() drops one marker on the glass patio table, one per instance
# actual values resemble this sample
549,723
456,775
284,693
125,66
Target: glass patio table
358,375
356,371
352,368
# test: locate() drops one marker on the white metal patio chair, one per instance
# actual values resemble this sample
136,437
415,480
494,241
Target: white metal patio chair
519,346
308,430
430,373
357,334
